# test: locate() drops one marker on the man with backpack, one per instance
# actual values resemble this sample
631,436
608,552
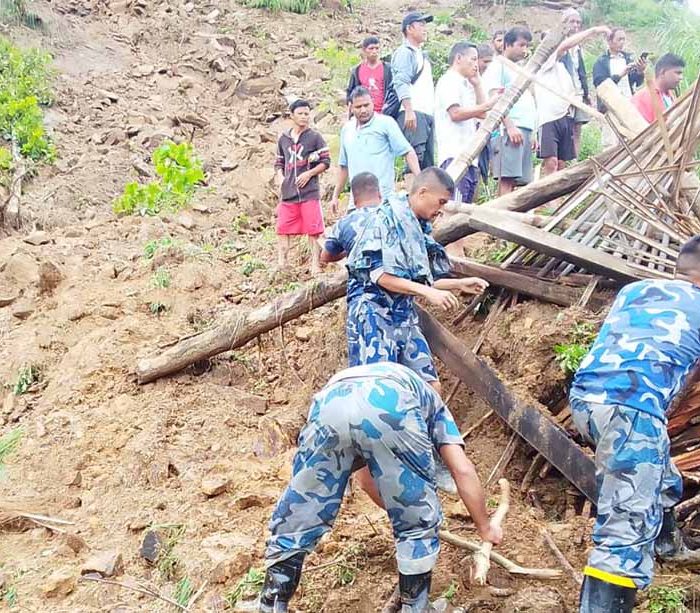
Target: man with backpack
371,73
412,98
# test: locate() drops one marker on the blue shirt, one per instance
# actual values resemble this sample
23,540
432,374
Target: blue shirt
645,349
373,148
396,242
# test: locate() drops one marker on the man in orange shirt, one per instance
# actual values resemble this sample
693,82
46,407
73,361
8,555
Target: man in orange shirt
668,73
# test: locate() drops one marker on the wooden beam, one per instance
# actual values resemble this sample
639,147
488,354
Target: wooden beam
536,288
575,102
530,422
505,103
592,260
628,119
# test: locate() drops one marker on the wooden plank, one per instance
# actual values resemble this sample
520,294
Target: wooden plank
531,423
505,103
536,288
593,260
625,113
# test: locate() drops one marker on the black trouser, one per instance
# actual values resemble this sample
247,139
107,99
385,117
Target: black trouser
421,139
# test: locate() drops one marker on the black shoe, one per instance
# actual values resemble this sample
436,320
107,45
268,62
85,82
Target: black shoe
281,581
415,592
669,545
602,597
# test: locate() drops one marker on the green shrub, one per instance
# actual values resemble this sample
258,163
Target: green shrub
630,14
591,142
570,355
663,599
26,377
9,442
25,84
677,32
247,588
180,172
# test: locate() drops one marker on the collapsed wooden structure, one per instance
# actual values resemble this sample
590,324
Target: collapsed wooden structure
617,217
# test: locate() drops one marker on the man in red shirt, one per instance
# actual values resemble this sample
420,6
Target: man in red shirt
372,73
668,73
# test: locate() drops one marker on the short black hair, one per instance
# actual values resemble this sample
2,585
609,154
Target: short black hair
370,40
484,50
359,92
497,33
516,33
668,60
363,185
459,48
299,103
689,258
433,176
614,31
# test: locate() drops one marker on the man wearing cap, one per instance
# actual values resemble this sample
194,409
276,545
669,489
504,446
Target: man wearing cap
414,87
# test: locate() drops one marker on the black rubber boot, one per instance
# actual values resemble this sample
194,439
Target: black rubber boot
281,581
415,592
602,597
669,545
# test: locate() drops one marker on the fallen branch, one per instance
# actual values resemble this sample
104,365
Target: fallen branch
11,210
576,575
510,566
141,589
482,558
480,421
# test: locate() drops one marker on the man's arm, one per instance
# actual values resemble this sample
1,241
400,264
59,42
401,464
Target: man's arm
579,38
339,186
479,110
402,70
468,285
601,71
470,491
413,163
436,297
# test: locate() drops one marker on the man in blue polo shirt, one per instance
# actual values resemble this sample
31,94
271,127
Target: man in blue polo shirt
647,346
370,142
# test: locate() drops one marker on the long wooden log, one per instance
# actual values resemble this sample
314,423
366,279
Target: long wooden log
505,103
593,260
237,329
531,423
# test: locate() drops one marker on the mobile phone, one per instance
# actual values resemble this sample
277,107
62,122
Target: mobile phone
644,56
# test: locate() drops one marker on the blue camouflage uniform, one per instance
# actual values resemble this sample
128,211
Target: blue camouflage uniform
619,397
383,326
341,237
384,416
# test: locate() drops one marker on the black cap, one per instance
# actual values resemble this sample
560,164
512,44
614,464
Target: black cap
413,17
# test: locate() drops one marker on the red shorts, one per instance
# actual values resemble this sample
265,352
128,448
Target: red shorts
303,217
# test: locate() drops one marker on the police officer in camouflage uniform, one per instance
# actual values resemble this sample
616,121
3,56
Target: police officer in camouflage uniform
386,417
647,346
394,259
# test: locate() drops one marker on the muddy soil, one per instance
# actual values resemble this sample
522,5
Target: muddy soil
201,457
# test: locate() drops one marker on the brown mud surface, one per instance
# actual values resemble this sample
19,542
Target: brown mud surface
205,454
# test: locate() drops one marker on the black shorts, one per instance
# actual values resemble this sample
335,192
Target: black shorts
557,140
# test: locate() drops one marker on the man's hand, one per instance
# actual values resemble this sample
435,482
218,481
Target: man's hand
278,179
492,534
533,142
604,30
335,204
475,80
515,136
472,285
410,122
303,179
440,298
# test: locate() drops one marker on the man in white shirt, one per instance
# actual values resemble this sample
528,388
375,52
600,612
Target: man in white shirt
512,144
556,115
574,62
459,101
413,83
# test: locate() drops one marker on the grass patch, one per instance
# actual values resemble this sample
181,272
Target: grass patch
26,378
168,561
451,592
9,443
591,142
157,308
180,172
250,264
247,588
293,6
161,279
152,247
184,591
664,599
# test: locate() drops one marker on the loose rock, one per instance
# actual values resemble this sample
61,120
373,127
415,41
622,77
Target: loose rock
213,485
37,238
303,333
60,583
106,563
151,546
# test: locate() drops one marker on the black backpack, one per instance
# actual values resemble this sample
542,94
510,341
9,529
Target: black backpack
392,104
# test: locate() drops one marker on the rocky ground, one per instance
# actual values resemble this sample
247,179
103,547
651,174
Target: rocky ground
197,460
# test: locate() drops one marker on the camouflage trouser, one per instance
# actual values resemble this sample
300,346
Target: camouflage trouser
372,338
636,482
348,428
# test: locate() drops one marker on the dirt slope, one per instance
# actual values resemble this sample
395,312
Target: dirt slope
208,450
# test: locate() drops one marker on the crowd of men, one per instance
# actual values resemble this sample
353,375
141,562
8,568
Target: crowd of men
382,419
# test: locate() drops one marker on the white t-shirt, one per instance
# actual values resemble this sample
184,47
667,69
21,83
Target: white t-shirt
549,106
423,90
524,112
452,137
617,67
